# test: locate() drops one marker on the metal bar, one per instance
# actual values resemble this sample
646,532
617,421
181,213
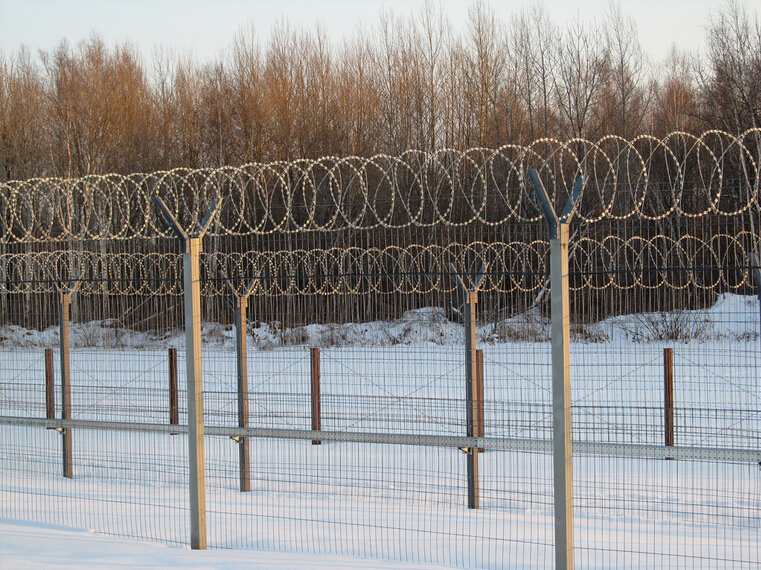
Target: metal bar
479,432
753,260
561,399
471,392
668,396
171,222
197,472
559,232
242,368
545,204
174,397
64,308
191,250
316,408
459,442
49,385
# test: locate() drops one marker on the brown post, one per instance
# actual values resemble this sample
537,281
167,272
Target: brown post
174,408
668,395
478,430
316,419
49,387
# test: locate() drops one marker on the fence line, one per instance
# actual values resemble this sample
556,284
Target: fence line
642,313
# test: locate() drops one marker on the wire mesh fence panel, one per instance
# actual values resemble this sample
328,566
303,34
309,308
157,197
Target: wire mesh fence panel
124,483
385,501
660,513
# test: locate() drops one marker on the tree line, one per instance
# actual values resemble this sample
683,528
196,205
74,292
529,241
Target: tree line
408,82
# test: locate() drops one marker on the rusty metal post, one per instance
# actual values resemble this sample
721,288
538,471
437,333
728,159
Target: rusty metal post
316,408
668,396
479,424
49,385
174,393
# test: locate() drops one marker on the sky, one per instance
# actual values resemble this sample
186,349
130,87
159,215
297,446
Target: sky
206,28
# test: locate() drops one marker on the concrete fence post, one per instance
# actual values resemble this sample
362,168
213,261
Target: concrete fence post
191,254
64,315
558,228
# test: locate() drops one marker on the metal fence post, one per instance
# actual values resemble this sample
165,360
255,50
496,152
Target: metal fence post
754,266
191,253
64,313
480,431
470,298
242,368
192,301
174,403
64,308
240,304
668,396
561,378
49,385
316,407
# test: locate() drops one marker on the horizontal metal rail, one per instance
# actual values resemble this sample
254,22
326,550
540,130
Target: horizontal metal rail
461,442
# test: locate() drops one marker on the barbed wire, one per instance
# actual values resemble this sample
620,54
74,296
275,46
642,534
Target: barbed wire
718,262
646,178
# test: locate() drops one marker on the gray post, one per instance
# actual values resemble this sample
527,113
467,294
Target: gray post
64,308
240,304
64,312
753,258
470,298
561,377
191,252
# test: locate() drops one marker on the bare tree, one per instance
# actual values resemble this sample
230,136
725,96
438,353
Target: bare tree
625,106
578,80
534,40
730,81
22,118
675,98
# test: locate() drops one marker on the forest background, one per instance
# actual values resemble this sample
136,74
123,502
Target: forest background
408,82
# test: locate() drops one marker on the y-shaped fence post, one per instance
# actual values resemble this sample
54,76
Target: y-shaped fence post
191,252
470,298
240,304
561,367
64,312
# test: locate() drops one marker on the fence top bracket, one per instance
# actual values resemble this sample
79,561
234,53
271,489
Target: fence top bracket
60,288
461,284
546,205
177,229
233,292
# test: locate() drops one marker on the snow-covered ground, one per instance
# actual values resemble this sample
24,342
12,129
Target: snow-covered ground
404,503
38,546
